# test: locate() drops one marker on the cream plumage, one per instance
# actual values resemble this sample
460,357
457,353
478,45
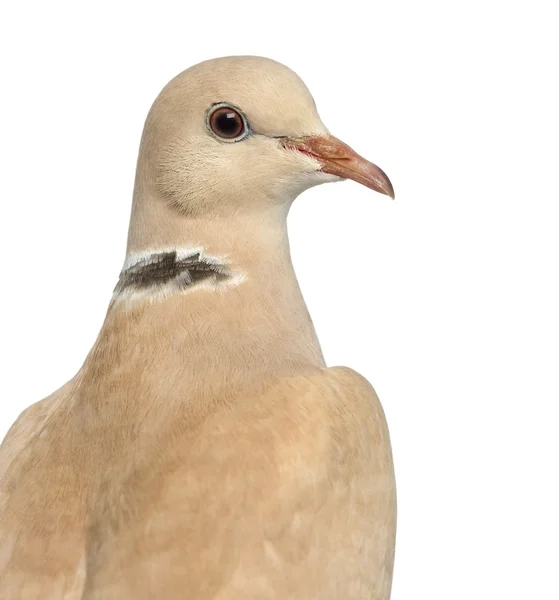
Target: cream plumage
204,451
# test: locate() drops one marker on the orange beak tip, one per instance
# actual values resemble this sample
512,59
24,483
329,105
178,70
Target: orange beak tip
339,159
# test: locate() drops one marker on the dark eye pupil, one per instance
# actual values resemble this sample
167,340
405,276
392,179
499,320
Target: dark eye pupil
227,123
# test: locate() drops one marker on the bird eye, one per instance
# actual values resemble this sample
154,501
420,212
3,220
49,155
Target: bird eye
227,123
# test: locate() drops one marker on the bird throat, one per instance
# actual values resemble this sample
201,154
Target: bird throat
171,270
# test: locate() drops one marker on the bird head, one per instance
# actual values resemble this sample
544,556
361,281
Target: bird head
238,134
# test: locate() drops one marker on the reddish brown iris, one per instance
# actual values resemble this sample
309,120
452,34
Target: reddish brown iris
227,123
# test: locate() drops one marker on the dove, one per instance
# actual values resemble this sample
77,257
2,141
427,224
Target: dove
204,450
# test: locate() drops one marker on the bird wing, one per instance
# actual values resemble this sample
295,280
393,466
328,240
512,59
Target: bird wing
23,430
285,494
41,522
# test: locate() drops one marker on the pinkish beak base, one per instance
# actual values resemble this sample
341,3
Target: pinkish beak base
339,159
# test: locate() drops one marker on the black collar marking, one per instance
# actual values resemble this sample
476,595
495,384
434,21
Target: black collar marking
165,268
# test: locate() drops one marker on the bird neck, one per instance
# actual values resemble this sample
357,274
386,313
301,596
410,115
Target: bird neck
217,297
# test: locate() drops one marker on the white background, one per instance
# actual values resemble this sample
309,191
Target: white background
446,299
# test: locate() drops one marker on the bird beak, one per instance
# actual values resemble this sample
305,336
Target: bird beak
339,159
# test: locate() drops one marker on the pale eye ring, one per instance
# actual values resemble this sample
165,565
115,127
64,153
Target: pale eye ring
227,123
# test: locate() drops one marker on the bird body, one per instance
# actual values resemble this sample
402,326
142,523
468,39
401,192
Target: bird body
204,450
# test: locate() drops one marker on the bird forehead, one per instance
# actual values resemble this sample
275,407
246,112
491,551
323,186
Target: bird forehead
272,97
